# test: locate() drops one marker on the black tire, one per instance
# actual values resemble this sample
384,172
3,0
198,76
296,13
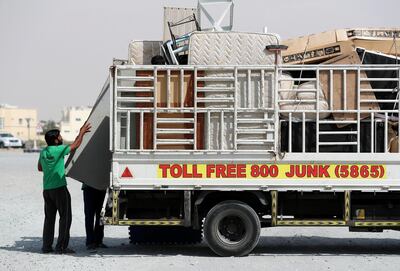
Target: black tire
176,235
232,228
1,145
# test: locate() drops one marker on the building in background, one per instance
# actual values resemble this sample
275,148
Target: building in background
19,122
72,120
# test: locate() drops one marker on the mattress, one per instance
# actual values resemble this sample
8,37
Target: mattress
235,48
231,48
140,52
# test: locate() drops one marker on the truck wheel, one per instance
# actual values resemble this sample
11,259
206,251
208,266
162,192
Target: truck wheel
232,228
164,235
1,145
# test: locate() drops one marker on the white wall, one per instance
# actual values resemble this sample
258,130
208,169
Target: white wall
72,121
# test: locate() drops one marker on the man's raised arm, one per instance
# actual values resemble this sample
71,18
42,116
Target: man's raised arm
84,129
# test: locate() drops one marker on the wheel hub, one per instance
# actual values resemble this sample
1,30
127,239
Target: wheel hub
231,229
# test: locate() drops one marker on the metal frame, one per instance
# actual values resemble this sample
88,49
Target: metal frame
344,69
229,105
124,106
123,156
206,6
275,221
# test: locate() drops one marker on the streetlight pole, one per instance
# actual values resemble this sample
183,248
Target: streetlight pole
28,122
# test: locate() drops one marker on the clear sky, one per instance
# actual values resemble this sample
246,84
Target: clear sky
56,53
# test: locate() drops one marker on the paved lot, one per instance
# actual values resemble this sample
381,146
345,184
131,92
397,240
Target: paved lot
21,217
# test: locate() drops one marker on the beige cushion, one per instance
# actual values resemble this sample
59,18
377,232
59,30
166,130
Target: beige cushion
298,105
286,95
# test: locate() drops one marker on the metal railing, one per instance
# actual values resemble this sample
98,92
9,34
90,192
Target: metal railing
350,101
191,108
241,109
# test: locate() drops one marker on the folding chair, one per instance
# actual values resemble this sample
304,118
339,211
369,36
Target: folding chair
178,45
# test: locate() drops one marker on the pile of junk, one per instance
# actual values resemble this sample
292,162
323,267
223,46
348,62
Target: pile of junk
203,36
364,48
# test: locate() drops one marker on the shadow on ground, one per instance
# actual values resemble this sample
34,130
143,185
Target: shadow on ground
117,247
297,245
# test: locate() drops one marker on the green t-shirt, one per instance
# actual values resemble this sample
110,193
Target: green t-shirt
52,161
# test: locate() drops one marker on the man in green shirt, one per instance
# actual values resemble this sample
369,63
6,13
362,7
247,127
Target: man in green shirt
55,193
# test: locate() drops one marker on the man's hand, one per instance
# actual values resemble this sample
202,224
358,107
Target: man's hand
84,129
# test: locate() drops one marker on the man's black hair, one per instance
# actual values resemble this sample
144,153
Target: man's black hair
51,137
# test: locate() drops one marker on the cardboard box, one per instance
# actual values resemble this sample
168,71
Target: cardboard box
299,44
320,46
394,144
384,40
383,46
316,48
393,139
373,33
351,88
316,54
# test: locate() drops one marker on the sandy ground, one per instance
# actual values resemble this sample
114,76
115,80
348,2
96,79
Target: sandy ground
21,217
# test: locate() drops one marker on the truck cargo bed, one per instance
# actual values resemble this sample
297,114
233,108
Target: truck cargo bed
171,129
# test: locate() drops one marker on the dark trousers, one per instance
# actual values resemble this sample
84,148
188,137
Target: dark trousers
93,200
55,200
